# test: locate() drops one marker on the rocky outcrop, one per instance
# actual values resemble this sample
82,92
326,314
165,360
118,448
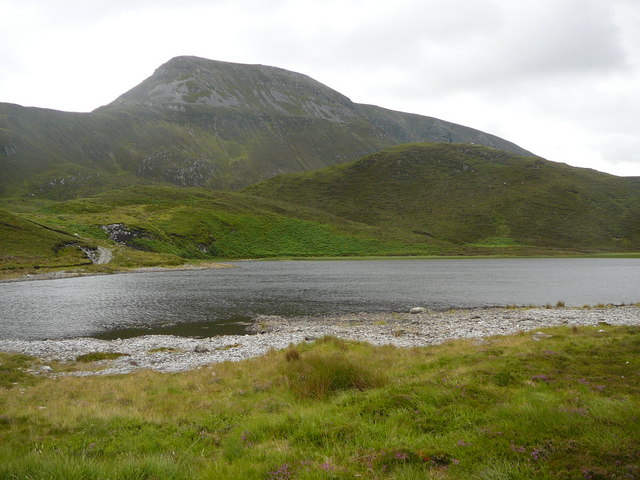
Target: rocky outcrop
258,88
179,167
120,233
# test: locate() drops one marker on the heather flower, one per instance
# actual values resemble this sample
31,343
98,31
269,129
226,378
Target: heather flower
327,467
578,411
537,454
246,438
281,473
401,455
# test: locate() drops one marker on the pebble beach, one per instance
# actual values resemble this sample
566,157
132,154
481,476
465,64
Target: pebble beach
166,353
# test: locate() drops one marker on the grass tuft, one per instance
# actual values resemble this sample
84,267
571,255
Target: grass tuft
319,375
98,356
292,354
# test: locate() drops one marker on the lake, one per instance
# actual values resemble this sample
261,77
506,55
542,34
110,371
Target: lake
221,301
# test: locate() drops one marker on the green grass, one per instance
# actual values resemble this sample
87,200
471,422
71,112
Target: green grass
182,225
97,356
566,407
25,244
13,371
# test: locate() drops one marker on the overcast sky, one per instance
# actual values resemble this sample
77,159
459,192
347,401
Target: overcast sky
560,78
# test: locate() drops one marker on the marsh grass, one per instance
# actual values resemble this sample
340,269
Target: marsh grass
564,407
319,375
13,370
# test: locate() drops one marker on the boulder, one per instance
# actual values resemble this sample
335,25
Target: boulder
418,310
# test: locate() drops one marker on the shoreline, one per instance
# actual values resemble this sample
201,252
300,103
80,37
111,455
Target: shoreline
229,263
55,275
166,353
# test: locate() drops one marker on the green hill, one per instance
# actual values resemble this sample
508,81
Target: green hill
199,224
203,123
473,196
26,244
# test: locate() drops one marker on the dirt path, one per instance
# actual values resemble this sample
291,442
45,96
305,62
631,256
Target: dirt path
104,256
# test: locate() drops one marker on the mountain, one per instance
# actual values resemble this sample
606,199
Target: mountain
203,123
471,196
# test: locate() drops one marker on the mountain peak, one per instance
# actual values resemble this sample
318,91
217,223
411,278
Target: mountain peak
189,80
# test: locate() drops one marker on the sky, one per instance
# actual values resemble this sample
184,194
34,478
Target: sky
560,78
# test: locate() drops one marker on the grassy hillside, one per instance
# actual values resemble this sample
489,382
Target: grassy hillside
25,244
473,196
563,408
196,224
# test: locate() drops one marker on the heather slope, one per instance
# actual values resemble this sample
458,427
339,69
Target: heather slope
473,195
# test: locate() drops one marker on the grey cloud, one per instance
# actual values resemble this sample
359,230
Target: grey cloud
542,42
83,12
621,149
457,45
566,37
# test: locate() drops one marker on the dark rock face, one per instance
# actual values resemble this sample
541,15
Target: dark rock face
124,235
178,168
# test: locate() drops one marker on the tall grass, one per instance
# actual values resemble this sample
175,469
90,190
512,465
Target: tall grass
319,375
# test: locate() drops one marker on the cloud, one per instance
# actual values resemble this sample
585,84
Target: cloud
527,42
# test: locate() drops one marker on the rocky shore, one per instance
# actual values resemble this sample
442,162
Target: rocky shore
172,354
57,274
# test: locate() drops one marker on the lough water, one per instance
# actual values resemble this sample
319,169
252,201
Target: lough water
220,301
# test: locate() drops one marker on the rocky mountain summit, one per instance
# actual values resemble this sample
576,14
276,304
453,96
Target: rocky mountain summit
254,88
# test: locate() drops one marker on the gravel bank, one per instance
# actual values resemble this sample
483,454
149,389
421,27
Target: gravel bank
172,354
106,256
